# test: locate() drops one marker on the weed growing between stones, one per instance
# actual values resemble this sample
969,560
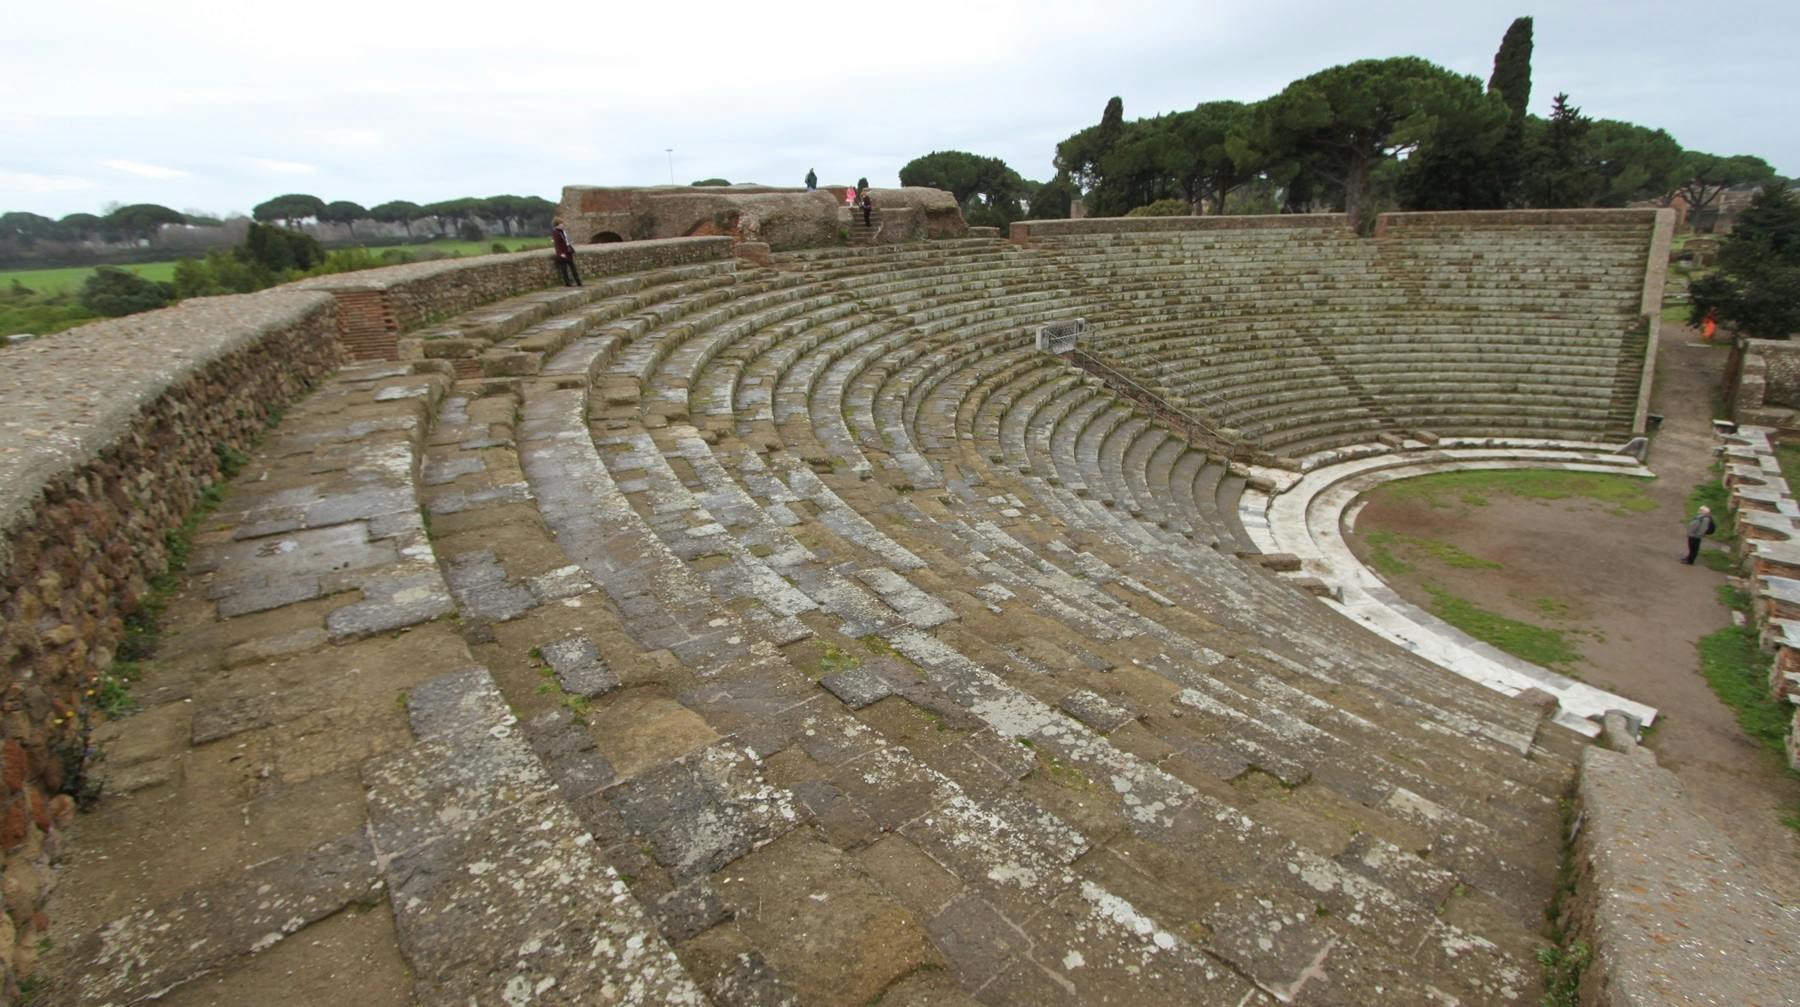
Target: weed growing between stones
1738,672
578,706
1562,973
109,693
836,660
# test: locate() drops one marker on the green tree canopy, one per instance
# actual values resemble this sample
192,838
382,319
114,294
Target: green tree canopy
79,226
1504,169
288,208
1756,288
27,229
397,211
1575,161
710,181
1052,200
1080,155
987,190
1339,123
278,250
1705,176
139,221
343,212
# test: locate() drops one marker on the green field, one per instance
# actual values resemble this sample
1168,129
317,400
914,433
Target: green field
70,278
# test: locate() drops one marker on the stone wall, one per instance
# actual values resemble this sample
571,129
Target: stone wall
1768,525
376,305
1767,392
780,218
113,430
1024,230
1659,892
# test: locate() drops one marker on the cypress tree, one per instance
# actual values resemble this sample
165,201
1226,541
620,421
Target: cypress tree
1512,79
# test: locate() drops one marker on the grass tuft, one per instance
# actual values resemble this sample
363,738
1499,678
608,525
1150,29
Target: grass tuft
1738,672
1547,647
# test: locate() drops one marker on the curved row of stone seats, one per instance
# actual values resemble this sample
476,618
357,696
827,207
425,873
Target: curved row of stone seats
689,451
256,749
1202,309
839,690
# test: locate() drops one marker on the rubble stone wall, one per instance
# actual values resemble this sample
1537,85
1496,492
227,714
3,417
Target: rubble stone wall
780,218
113,432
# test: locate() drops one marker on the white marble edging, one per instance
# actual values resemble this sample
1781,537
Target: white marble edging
1306,518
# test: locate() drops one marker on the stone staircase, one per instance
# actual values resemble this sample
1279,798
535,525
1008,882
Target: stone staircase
864,233
791,635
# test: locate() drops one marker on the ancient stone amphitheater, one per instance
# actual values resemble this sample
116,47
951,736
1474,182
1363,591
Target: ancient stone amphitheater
720,633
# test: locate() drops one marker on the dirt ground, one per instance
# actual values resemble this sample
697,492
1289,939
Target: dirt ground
1611,581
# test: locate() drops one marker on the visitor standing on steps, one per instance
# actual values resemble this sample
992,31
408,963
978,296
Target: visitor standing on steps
812,180
1700,527
565,254
868,207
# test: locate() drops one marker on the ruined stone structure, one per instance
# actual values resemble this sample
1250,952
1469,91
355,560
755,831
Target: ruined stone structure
718,633
779,218
1767,518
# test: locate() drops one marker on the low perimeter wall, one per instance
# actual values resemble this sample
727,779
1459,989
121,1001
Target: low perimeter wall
1765,513
376,305
1665,910
1766,390
112,431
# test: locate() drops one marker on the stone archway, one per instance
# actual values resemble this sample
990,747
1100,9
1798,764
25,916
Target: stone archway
605,238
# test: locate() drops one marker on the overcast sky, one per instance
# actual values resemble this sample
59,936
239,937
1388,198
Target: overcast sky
218,106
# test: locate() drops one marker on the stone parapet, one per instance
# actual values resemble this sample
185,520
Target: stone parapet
1667,909
114,430
1023,231
781,218
376,305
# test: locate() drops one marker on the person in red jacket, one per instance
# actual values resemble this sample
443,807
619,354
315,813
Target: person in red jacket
565,255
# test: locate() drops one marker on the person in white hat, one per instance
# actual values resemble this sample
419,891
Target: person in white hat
1697,529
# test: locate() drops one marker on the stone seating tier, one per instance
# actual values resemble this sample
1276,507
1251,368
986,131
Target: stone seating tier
830,611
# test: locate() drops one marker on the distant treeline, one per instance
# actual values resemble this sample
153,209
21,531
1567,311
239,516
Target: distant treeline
32,236
1374,135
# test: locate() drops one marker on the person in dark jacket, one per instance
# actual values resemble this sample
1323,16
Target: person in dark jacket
565,255
1697,529
868,207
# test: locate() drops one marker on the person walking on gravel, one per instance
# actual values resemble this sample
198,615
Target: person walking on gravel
1697,529
565,255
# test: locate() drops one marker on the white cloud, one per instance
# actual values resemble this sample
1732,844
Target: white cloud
285,167
25,181
143,170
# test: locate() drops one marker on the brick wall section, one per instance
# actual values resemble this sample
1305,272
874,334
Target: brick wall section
112,432
376,305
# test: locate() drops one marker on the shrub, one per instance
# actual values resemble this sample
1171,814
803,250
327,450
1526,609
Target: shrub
113,292
1163,208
